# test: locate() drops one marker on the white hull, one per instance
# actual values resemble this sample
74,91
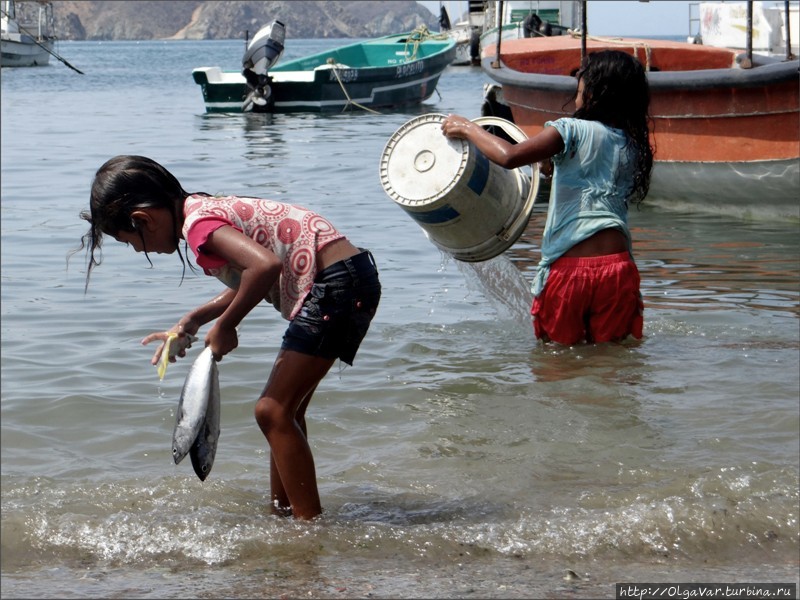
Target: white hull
763,190
464,55
463,34
16,53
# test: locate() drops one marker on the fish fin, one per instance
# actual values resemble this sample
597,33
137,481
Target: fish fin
164,362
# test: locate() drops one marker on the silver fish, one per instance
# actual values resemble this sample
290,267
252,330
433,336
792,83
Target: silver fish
204,448
200,386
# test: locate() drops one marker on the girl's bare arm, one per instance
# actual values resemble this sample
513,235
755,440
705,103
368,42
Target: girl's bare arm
190,323
529,151
259,268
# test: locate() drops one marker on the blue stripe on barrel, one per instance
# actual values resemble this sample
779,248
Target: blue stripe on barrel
480,174
442,214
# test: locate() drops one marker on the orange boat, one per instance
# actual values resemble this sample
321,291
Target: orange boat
726,137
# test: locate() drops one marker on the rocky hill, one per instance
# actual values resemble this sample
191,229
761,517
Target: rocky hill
230,19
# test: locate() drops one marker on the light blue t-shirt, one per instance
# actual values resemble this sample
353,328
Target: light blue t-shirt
592,181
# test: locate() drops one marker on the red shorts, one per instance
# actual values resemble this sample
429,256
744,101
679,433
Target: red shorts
595,299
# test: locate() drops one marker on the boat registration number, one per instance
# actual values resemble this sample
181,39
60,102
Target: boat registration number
344,75
409,69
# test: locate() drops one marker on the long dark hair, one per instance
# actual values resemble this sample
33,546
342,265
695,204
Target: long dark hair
616,93
122,185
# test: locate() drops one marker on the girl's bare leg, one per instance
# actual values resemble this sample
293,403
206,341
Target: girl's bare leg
280,413
280,501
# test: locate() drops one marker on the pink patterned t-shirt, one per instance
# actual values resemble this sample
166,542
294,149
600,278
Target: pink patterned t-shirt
293,233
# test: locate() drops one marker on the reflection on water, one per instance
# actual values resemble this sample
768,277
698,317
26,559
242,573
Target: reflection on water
743,264
617,365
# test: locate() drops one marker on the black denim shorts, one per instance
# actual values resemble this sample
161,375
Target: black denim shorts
337,311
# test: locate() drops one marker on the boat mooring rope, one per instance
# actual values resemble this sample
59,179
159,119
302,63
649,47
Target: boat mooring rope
621,42
416,37
334,67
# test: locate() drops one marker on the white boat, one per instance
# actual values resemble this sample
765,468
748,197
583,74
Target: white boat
464,36
23,44
466,32
724,25
516,19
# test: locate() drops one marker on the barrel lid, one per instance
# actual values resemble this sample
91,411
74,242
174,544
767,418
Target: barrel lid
419,164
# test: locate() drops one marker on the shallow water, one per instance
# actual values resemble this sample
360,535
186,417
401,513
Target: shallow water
457,457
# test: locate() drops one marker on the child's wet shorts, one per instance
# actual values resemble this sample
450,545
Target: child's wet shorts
337,311
593,299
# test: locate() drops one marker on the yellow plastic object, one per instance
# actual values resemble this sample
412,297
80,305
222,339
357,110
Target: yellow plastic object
164,362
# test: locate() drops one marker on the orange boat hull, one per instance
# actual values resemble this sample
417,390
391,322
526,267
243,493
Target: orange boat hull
726,123
695,126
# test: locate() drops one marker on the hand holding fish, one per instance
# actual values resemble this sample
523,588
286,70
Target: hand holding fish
222,340
184,332
175,342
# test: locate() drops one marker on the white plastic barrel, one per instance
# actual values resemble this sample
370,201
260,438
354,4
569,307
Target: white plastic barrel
469,207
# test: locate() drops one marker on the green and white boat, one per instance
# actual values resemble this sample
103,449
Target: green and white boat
387,72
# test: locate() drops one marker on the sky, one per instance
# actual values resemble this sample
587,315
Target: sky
613,17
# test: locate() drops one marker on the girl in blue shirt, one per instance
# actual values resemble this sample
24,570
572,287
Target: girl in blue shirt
587,283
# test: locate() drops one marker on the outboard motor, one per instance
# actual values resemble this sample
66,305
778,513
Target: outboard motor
262,52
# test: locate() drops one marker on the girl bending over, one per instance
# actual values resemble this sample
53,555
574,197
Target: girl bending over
260,249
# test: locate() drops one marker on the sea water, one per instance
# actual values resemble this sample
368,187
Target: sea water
458,457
